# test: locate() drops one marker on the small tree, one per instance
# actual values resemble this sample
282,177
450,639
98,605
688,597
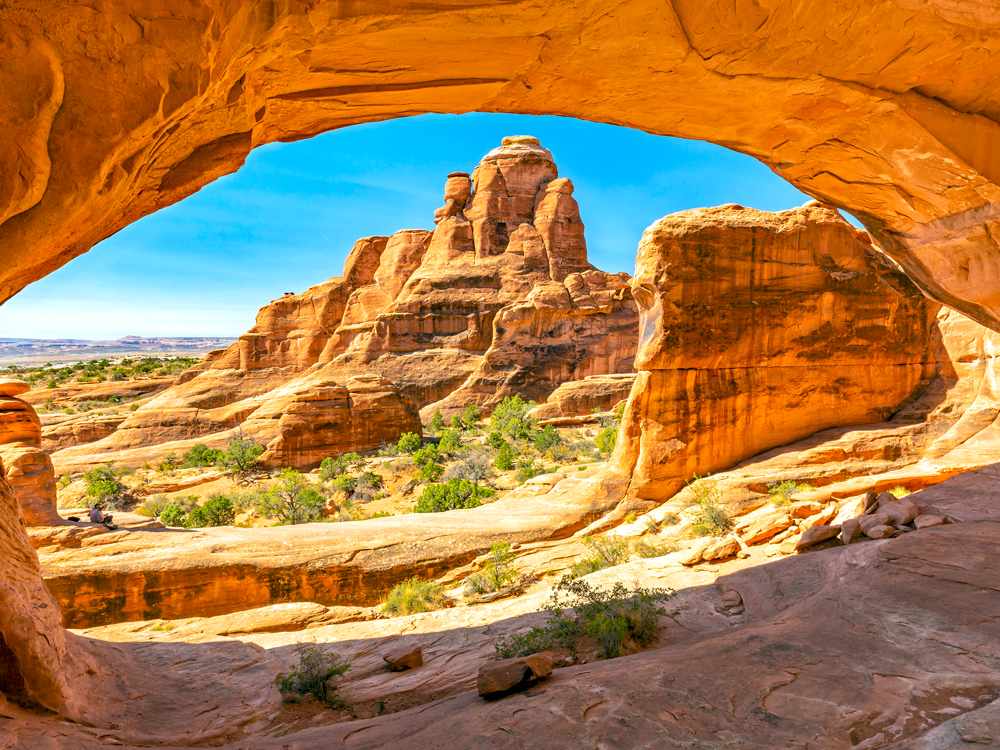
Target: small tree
312,672
104,485
410,442
292,500
475,467
500,568
331,468
173,515
505,457
606,441
449,444
457,424
547,439
511,419
240,456
470,416
437,421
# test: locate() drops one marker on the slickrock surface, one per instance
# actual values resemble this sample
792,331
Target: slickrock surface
28,468
741,352
498,300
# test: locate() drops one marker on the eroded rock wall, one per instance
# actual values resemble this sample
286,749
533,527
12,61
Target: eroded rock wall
29,468
759,329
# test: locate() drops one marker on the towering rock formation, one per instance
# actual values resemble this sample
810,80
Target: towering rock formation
29,468
498,299
759,329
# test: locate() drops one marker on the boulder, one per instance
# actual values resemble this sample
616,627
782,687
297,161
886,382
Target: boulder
762,524
881,531
499,678
29,468
899,509
927,520
850,530
405,658
815,535
870,521
12,387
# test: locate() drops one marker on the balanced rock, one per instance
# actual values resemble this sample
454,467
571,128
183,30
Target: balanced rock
13,387
28,467
501,677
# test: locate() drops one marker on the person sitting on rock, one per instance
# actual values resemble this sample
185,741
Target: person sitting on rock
97,515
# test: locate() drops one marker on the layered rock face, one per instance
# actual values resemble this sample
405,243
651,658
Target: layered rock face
32,642
498,300
582,397
760,329
29,468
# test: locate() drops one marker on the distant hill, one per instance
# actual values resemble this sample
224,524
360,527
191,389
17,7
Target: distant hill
29,352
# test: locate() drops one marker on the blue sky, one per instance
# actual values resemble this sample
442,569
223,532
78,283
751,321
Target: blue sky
288,218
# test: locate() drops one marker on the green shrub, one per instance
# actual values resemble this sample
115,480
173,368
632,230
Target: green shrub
104,485
449,443
174,515
471,416
331,468
217,511
605,441
612,617
426,455
547,439
709,519
606,551
505,457
430,472
201,455
240,456
292,500
437,421
511,419
312,672
452,495
899,491
500,568
153,507
346,484
495,439
413,596
457,424
783,492
410,442
526,470
646,550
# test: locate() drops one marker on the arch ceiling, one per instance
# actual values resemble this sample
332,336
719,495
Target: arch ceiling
112,109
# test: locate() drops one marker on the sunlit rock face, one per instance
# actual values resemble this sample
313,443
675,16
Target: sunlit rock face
33,658
759,329
497,300
29,468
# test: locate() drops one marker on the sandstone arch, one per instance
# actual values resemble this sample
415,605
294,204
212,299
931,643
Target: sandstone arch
888,110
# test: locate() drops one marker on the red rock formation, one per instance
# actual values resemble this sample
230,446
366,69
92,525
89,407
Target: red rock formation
498,300
583,397
32,642
759,329
29,469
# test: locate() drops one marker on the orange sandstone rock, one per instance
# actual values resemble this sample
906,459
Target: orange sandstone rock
29,469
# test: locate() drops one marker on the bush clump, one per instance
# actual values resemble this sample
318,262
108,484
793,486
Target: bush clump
201,455
292,500
510,419
410,442
606,551
782,492
476,467
241,456
331,468
611,617
504,460
710,519
452,495
105,486
312,672
498,571
217,511
413,596
605,441
547,439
